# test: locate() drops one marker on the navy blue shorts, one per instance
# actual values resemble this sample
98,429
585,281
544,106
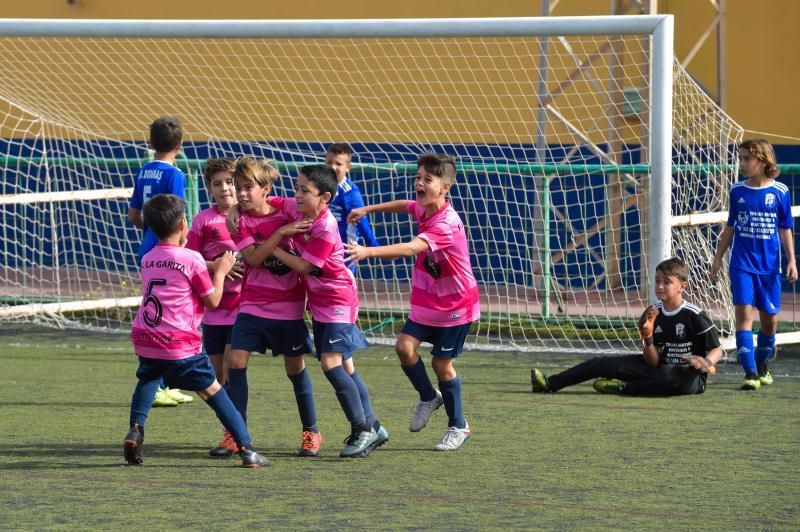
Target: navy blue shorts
215,337
194,373
284,337
341,338
448,342
760,291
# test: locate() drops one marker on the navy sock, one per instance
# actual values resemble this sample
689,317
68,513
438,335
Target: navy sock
363,393
237,389
142,401
230,418
347,394
420,380
766,346
304,395
451,395
744,350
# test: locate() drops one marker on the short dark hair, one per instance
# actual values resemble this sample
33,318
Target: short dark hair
439,165
323,177
214,166
674,267
166,134
163,213
340,148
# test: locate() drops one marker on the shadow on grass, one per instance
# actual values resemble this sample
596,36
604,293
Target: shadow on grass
56,402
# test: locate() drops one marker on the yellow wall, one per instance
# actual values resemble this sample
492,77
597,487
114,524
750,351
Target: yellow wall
763,57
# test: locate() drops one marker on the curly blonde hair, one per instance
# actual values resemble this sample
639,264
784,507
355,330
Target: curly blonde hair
763,151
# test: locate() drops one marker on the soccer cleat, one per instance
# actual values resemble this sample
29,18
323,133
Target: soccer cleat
609,386
227,447
766,379
539,382
751,382
311,443
251,459
422,412
177,396
359,444
383,437
162,399
453,438
133,446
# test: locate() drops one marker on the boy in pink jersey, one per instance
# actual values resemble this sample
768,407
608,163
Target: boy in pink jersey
444,293
175,286
272,306
332,299
210,237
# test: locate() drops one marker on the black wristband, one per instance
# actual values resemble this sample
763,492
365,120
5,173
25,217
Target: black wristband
709,363
647,342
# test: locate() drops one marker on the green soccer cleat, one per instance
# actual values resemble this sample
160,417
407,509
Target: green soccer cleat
751,382
764,376
162,399
539,382
177,396
608,386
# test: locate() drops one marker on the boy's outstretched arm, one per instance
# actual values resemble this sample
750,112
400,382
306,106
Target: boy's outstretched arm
222,265
787,239
396,206
357,253
725,240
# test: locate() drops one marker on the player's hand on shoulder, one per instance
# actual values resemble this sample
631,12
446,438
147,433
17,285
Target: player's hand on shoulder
295,227
232,220
646,321
356,214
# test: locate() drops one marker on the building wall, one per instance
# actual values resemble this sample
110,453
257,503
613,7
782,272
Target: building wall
762,56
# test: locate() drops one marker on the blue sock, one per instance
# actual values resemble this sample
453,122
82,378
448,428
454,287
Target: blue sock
230,418
744,350
451,395
142,401
766,346
420,380
304,395
347,394
237,389
363,393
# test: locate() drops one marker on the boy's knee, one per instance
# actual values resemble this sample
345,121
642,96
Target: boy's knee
293,365
443,367
211,390
405,352
237,359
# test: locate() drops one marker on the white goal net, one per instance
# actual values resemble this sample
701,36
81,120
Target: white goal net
552,132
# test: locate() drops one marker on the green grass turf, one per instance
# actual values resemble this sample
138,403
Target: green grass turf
576,460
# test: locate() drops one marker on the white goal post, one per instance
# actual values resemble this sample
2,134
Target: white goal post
577,140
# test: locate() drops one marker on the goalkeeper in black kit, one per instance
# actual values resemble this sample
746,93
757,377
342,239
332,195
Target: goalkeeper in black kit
680,347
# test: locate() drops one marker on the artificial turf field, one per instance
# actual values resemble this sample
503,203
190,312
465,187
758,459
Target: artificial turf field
726,459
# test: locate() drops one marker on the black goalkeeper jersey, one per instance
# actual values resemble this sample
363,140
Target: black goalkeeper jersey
683,332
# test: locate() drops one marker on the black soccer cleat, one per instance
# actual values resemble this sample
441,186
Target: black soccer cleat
133,446
251,459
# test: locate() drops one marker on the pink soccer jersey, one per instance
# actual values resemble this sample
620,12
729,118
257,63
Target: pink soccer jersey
444,292
330,286
277,293
210,237
174,281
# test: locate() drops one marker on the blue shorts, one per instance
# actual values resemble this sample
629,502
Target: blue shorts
284,337
341,338
194,373
448,342
215,337
760,291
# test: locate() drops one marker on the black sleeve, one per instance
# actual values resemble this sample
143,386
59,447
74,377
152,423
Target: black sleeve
706,336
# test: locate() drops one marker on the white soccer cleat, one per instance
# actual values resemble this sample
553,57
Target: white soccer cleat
453,439
422,412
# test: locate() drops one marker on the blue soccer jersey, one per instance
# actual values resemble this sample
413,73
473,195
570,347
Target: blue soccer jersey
156,177
756,214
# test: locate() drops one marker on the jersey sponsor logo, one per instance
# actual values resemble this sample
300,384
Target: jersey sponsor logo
215,234
433,268
769,199
338,312
680,330
275,266
455,316
743,218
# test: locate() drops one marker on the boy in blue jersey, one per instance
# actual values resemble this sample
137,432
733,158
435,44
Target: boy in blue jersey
159,176
348,197
759,221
